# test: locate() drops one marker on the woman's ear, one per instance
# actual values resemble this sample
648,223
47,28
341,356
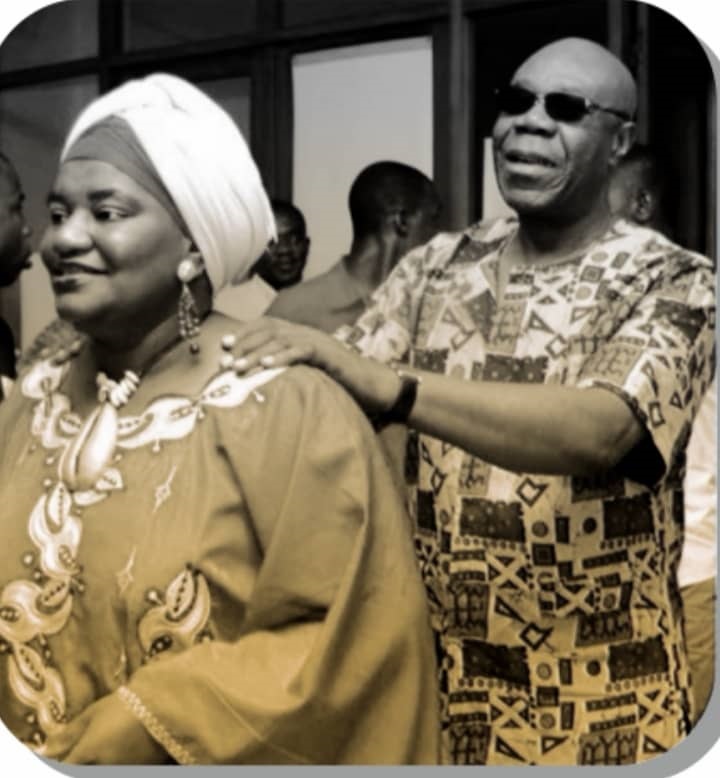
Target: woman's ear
191,265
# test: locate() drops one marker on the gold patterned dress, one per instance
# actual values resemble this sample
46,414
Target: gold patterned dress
554,599
241,574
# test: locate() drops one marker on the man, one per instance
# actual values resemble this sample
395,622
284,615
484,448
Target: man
637,190
556,363
698,566
393,208
283,264
14,257
279,267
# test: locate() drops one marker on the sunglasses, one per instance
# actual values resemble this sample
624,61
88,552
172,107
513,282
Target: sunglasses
559,106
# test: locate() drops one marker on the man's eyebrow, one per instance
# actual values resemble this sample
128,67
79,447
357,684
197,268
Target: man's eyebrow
54,197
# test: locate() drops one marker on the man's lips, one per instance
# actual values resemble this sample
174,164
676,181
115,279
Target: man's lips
520,157
286,267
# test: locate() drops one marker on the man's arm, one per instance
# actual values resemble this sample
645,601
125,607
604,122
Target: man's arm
522,427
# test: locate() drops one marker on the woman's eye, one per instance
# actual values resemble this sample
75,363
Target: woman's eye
108,214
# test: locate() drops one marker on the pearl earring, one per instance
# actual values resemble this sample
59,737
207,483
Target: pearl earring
188,315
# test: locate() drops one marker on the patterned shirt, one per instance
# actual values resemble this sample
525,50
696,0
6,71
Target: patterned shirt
553,598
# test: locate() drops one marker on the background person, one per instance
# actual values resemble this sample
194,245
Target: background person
393,208
15,252
638,189
555,365
196,567
280,266
697,572
637,192
283,264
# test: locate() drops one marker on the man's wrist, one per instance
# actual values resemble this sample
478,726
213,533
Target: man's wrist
399,409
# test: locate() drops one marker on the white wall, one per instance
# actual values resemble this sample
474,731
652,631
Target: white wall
493,204
354,106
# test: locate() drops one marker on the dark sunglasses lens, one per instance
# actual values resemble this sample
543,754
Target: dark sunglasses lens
565,108
514,100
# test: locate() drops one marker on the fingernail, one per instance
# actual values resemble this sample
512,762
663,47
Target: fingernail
227,361
240,364
228,342
268,361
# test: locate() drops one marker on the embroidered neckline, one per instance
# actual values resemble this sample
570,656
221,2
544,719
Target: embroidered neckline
33,608
167,417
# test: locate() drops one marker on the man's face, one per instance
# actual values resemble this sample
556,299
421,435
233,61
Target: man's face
552,167
283,263
14,232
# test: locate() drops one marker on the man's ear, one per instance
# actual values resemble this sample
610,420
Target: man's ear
400,222
623,141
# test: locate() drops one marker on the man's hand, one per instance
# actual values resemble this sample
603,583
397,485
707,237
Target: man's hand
106,732
268,342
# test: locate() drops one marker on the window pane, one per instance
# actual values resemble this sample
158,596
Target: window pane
339,95
300,12
150,23
33,124
57,33
233,94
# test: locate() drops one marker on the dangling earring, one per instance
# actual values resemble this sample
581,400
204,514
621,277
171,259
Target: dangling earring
188,316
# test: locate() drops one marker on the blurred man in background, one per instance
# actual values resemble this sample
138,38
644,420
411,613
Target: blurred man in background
15,252
393,208
280,267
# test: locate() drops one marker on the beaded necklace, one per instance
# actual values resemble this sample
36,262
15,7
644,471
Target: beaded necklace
90,452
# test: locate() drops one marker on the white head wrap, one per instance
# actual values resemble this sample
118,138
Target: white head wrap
203,161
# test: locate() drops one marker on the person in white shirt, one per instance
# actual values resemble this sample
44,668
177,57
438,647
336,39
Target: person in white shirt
637,192
698,564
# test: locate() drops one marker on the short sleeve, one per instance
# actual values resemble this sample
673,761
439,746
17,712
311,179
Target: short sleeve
385,331
661,358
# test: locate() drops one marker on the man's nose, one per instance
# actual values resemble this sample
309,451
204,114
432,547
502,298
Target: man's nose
536,119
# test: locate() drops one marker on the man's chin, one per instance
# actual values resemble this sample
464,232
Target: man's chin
283,282
531,202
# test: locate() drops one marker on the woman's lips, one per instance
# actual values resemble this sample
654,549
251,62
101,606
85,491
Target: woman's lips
75,268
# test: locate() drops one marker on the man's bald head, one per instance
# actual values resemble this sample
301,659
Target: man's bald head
555,163
588,69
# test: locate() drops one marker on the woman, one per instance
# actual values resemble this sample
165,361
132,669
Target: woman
196,567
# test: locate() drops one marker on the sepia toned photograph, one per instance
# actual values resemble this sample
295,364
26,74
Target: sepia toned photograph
357,382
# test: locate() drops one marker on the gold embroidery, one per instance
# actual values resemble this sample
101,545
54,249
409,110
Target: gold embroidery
163,492
180,618
136,706
30,610
125,577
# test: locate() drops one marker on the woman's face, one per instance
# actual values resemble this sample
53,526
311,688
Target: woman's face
112,251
